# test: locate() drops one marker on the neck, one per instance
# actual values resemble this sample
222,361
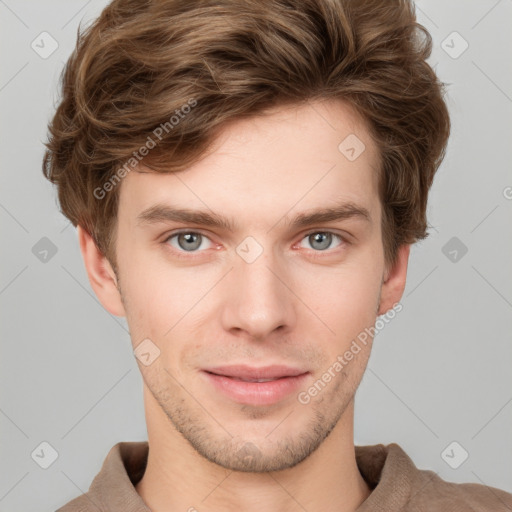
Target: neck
178,478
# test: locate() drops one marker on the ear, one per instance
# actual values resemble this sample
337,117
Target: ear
101,274
394,281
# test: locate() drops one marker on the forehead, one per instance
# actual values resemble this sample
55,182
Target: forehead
288,160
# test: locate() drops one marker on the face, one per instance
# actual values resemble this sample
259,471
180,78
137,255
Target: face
259,285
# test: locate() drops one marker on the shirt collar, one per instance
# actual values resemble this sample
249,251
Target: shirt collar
386,468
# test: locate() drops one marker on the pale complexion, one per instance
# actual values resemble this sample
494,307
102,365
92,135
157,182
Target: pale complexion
301,302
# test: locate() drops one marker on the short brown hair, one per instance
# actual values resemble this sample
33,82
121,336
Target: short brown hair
141,62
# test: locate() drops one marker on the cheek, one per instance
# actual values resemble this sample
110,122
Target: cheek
170,307
148,300
343,296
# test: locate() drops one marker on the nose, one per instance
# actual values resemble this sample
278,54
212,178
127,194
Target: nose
258,298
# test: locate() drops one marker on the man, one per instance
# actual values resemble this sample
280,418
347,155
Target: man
246,179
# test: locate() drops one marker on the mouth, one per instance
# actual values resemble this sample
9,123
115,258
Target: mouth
256,386
256,374
249,380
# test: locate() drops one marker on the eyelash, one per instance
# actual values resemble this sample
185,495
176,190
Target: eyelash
190,255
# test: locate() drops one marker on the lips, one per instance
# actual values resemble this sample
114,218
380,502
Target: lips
256,386
254,374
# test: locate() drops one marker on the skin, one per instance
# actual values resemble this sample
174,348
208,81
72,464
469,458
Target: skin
211,308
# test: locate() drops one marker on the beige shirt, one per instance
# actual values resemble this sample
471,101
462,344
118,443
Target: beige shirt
396,483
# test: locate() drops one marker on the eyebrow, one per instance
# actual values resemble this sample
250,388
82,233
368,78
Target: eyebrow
165,213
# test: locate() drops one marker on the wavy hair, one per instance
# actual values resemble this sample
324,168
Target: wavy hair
142,61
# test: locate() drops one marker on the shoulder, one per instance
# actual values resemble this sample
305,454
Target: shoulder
398,484
81,504
113,487
431,493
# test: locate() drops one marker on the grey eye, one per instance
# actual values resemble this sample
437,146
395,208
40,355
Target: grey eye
320,241
187,241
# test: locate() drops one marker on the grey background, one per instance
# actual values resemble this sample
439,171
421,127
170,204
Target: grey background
439,372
